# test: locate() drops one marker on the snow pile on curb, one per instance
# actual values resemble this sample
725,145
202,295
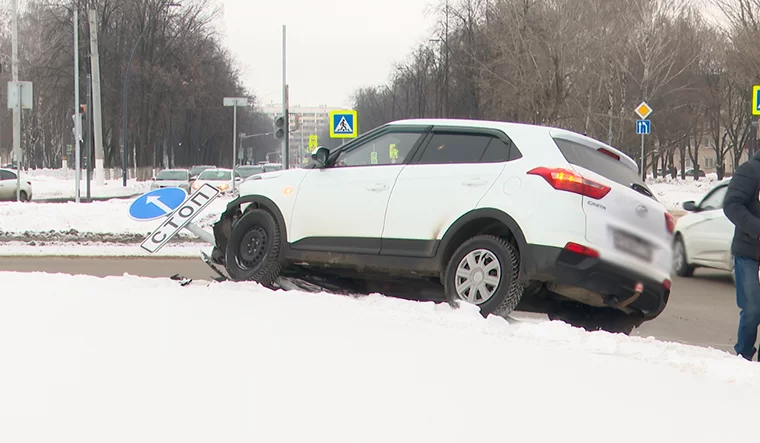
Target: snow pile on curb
59,183
136,359
37,248
106,221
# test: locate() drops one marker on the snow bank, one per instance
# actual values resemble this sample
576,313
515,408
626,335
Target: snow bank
98,249
59,183
673,192
125,359
50,220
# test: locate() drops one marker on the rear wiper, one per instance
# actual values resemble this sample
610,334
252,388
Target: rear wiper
641,189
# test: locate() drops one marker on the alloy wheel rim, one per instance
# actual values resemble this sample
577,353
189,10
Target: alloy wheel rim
478,276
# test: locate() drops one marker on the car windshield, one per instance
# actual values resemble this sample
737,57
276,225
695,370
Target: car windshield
247,171
172,175
198,169
214,174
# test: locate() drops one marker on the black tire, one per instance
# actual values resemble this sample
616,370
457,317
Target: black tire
681,265
253,249
508,291
22,196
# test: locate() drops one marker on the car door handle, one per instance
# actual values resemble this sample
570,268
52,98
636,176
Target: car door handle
475,182
377,187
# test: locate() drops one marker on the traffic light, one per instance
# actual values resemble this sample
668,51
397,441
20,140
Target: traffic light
279,127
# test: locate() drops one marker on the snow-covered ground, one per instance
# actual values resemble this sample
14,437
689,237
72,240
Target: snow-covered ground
99,249
106,217
127,359
59,183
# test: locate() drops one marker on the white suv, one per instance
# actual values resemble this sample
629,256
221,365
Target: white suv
497,214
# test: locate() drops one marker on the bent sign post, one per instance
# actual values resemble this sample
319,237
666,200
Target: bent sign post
179,215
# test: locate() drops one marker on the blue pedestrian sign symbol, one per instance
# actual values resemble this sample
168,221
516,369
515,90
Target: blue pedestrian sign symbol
343,124
157,203
643,127
756,100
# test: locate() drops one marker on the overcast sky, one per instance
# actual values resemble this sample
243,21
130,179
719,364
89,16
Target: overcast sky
333,48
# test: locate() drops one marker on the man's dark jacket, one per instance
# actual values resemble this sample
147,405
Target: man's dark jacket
742,207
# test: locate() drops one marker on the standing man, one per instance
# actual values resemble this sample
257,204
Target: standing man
742,207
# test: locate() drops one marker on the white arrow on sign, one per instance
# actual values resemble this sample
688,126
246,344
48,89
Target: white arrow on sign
155,200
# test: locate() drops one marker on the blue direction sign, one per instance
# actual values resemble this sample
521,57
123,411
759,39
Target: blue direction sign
643,127
343,124
157,203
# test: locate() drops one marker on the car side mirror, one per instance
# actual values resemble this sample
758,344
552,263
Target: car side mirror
690,206
154,178
320,156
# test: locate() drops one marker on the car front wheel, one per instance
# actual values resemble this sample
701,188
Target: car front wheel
483,271
253,249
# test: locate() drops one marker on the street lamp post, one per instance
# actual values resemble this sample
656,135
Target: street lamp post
126,87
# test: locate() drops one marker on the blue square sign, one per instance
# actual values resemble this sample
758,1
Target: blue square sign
643,127
343,124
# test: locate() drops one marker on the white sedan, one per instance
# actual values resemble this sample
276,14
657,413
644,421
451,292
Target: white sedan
9,185
221,178
703,237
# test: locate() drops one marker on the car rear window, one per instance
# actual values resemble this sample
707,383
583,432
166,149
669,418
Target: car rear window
604,165
213,174
172,175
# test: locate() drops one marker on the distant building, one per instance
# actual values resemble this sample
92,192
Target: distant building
312,120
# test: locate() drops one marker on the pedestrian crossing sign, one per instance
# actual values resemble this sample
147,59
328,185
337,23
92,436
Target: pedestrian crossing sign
343,123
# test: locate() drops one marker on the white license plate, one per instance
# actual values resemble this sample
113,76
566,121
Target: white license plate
632,245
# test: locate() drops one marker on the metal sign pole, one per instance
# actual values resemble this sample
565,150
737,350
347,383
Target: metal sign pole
643,171
77,112
18,160
234,144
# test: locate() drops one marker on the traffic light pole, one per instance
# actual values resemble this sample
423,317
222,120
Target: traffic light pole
286,137
77,112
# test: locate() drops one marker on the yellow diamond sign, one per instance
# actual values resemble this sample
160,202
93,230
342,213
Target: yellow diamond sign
643,110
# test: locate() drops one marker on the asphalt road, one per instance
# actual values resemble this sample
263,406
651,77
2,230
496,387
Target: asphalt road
702,309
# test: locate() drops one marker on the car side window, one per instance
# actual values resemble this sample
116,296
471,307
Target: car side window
7,175
498,152
387,149
455,148
714,200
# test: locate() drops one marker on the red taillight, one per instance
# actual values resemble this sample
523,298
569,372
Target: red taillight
582,250
670,222
609,153
564,180
666,284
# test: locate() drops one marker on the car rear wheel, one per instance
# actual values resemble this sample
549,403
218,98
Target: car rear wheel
681,265
483,271
253,249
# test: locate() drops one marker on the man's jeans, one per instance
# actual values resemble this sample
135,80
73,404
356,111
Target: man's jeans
748,300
